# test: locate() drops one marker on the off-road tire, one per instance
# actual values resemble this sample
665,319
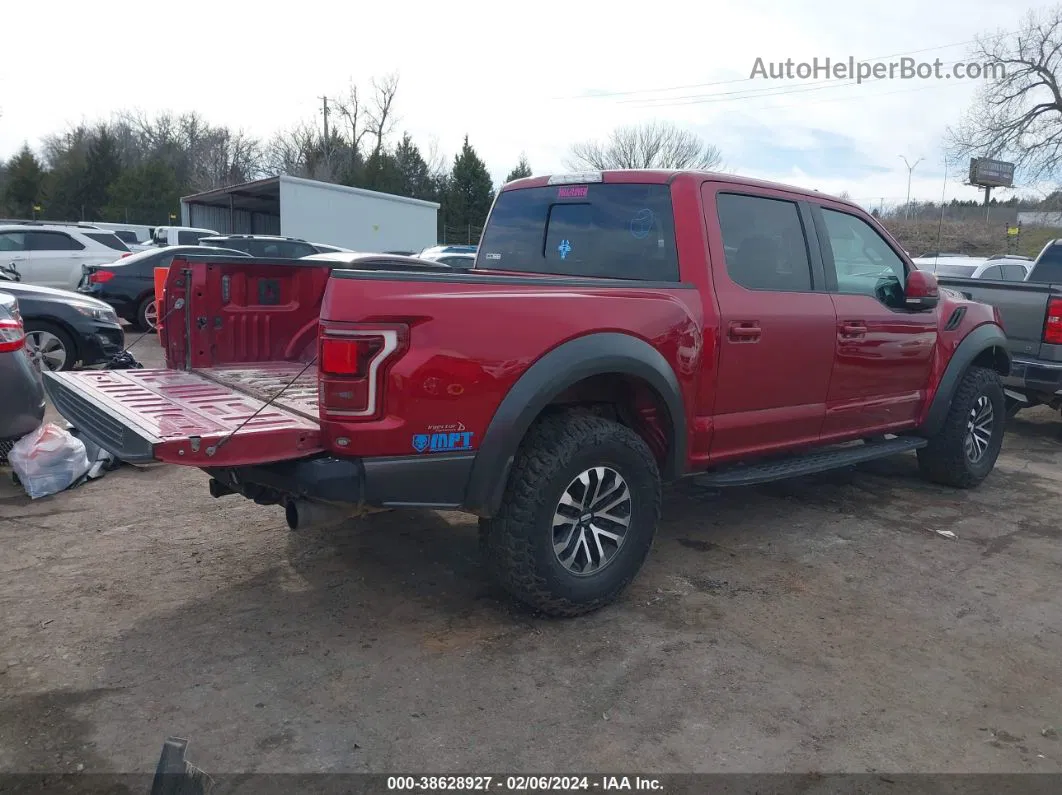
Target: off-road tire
517,542
945,460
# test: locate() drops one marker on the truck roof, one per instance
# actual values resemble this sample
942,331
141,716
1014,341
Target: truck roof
662,177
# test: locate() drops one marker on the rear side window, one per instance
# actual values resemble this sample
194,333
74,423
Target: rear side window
13,241
764,243
1014,273
994,272
108,239
52,241
127,237
614,231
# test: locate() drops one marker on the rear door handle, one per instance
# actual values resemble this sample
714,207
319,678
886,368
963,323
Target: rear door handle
853,328
744,331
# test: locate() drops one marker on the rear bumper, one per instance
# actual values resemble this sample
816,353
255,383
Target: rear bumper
1035,376
426,481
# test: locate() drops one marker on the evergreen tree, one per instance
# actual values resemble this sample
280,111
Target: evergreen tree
145,194
469,192
102,168
523,169
24,183
414,176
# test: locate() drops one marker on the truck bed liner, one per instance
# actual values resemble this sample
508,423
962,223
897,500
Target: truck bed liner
265,380
178,416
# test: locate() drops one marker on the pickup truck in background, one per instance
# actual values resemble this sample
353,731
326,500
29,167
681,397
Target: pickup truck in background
1032,318
619,330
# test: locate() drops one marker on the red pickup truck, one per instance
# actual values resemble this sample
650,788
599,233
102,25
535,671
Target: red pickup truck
618,330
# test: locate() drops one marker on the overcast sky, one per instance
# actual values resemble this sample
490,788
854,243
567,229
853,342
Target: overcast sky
523,77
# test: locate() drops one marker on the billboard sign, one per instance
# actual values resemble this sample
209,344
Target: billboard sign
991,173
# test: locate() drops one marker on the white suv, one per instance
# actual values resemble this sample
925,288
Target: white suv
52,255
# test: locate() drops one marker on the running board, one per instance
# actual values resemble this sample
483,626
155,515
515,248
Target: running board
807,464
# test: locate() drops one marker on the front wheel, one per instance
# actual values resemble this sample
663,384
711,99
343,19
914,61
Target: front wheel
49,347
965,449
578,515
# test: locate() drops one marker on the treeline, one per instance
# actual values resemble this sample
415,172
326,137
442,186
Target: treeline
134,168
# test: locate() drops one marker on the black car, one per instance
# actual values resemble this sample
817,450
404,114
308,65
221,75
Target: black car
63,328
128,285
270,246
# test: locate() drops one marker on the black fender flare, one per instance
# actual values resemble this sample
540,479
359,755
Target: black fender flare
567,364
978,341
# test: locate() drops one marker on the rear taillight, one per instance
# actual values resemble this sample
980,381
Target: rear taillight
352,362
12,335
100,277
1053,324
350,355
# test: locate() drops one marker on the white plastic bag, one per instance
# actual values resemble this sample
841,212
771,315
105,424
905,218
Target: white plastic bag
48,460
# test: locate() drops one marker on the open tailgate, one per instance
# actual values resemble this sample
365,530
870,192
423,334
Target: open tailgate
180,417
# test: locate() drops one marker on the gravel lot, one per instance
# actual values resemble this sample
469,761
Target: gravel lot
814,625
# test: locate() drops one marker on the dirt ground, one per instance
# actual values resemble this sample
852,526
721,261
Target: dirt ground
814,625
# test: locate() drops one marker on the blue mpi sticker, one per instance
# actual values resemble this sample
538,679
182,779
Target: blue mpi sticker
440,442
564,248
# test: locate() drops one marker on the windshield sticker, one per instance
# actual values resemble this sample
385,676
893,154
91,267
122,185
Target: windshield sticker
493,255
573,192
642,224
564,248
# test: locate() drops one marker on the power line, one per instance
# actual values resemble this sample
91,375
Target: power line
605,95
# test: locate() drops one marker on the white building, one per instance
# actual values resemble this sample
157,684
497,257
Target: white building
318,212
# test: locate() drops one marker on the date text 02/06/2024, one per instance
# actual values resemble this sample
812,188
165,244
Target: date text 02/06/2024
439,442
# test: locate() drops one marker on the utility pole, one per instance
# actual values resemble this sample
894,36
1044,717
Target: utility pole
910,171
327,146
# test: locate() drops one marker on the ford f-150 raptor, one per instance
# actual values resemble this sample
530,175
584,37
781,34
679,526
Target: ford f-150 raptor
618,330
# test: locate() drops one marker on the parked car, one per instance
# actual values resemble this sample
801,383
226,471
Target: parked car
22,397
457,259
128,285
179,235
53,255
267,246
63,328
433,251
132,242
703,325
1032,316
321,248
994,268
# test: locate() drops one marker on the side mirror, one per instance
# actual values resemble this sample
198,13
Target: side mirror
921,291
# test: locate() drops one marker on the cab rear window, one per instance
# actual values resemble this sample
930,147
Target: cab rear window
620,231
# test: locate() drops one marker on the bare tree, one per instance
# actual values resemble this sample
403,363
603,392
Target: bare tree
650,145
1018,113
350,108
380,114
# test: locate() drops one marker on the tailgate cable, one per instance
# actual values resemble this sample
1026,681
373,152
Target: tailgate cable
123,360
215,447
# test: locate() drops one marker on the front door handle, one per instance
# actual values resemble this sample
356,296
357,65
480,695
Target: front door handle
853,328
744,331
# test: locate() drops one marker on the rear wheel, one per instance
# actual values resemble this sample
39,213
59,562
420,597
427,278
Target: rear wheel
49,347
147,315
965,450
578,515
